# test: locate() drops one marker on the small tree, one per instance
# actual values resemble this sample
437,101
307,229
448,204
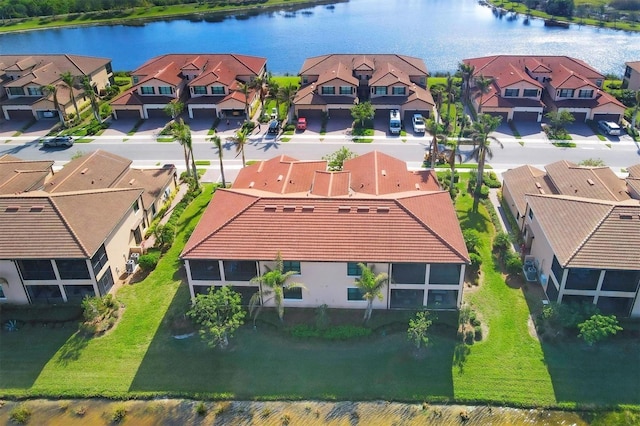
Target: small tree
174,108
598,328
219,314
164,233
371,286
418,329
336,160
559,120
592,162
362,112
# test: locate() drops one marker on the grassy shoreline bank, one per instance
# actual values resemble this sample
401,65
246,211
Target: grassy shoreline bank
142,15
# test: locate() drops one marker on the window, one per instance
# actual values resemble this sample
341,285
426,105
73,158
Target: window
153,210
207,270
291,265
106,282
346,90
99,260
408,273
199,90
328,90
34,91
39,269
354,293
530,213
305,79
16,91
399,90
136,206
444,273
75,293
557,269
239,270
582,279
73,269
619,306
292,293
165,90
135,79
566,93
406,299
511,93
552,291
147,90
217,90
530,93
442,299
44,293
353,270
585,93
380,90
599,83
621,281
627,71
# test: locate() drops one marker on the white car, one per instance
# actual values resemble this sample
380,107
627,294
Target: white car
418,124
610,128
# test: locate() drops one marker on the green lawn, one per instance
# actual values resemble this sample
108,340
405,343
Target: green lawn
139,358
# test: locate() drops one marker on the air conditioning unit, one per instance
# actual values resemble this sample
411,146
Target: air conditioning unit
131,266
135,257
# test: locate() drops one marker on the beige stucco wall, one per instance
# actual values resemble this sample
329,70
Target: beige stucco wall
633,82
117,245
521,85
100,78
13,291
541,249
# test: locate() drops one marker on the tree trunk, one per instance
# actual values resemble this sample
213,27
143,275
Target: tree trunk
186,160
476,193
244,163
224,184
193,165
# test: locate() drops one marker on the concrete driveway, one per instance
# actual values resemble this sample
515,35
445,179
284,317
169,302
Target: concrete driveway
119,128
36,130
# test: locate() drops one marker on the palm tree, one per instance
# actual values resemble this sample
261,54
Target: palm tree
240,139
182,133
52,90
449,98
437,93
370,286
218,143
245,88
260,84
88,89
69,80
635,111
466,70
273,284
286,95
274,89
174,108
435,129
451,160
484,86
481,136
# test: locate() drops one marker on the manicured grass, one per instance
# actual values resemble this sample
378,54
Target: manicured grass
565,144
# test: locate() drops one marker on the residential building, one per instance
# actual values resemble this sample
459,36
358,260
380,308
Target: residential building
631,78
18,175
333,84
23,79
60,247
525,88
323,224
581,227
210,85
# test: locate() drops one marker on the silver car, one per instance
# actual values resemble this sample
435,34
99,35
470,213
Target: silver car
58,141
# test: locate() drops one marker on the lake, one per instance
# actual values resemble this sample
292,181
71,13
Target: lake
442,32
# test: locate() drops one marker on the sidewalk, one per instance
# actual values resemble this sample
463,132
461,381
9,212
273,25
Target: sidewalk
502,215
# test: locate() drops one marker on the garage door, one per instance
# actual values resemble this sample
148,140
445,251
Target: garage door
127,114
525,116
310,114
20,114
343,114
157,113
504,115
203,113
579,117
607,117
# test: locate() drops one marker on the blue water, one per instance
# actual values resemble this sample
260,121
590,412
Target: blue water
442,32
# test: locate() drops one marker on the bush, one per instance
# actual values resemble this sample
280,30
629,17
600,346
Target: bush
468,337
501,242
20,414
471,239
477,333
476,260
513,263
201,408
149,261
118,414
484,192
491,180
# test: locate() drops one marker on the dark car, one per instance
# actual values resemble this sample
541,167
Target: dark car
64,141
274,127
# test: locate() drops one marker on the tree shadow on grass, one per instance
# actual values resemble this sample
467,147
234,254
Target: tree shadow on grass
72,348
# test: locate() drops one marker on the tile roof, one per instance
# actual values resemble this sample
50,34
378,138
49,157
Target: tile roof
385,214
99,169
320,64
75,64
17,175
634,171
586,182
38,225
587,233
153,181
526,180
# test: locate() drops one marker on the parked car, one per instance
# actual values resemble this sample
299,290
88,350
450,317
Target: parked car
274,127
395,123
64,141
274,113
610,128
302,123
418,124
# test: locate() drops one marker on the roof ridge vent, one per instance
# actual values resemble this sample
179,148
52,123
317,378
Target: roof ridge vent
12,209
626,216
384,172
363,209
308,208
590,182
344,209
251,184
280,178
132,181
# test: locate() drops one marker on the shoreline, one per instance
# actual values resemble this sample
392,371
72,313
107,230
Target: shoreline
194,13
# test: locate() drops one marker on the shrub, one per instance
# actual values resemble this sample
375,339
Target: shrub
20,414
468,337
501,242
484,192
471,239
476,260
149,261
513,263
477,333
491,180
118,415
201,408
342,332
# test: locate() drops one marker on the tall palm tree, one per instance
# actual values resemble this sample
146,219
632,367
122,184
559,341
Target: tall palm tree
88,89
182,133
52,90
437,92
69,80
451,160
481,136
218,143
484,86
260,83
274,89
272,284
240,139
174,108
635,111
466,70
286,95
449,98
370,286
245,88
435,129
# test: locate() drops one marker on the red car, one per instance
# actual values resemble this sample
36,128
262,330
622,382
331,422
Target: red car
302,123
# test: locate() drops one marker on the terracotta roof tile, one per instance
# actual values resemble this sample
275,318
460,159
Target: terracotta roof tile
331,184
634,171
20,176
586,182
526,180
99,169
